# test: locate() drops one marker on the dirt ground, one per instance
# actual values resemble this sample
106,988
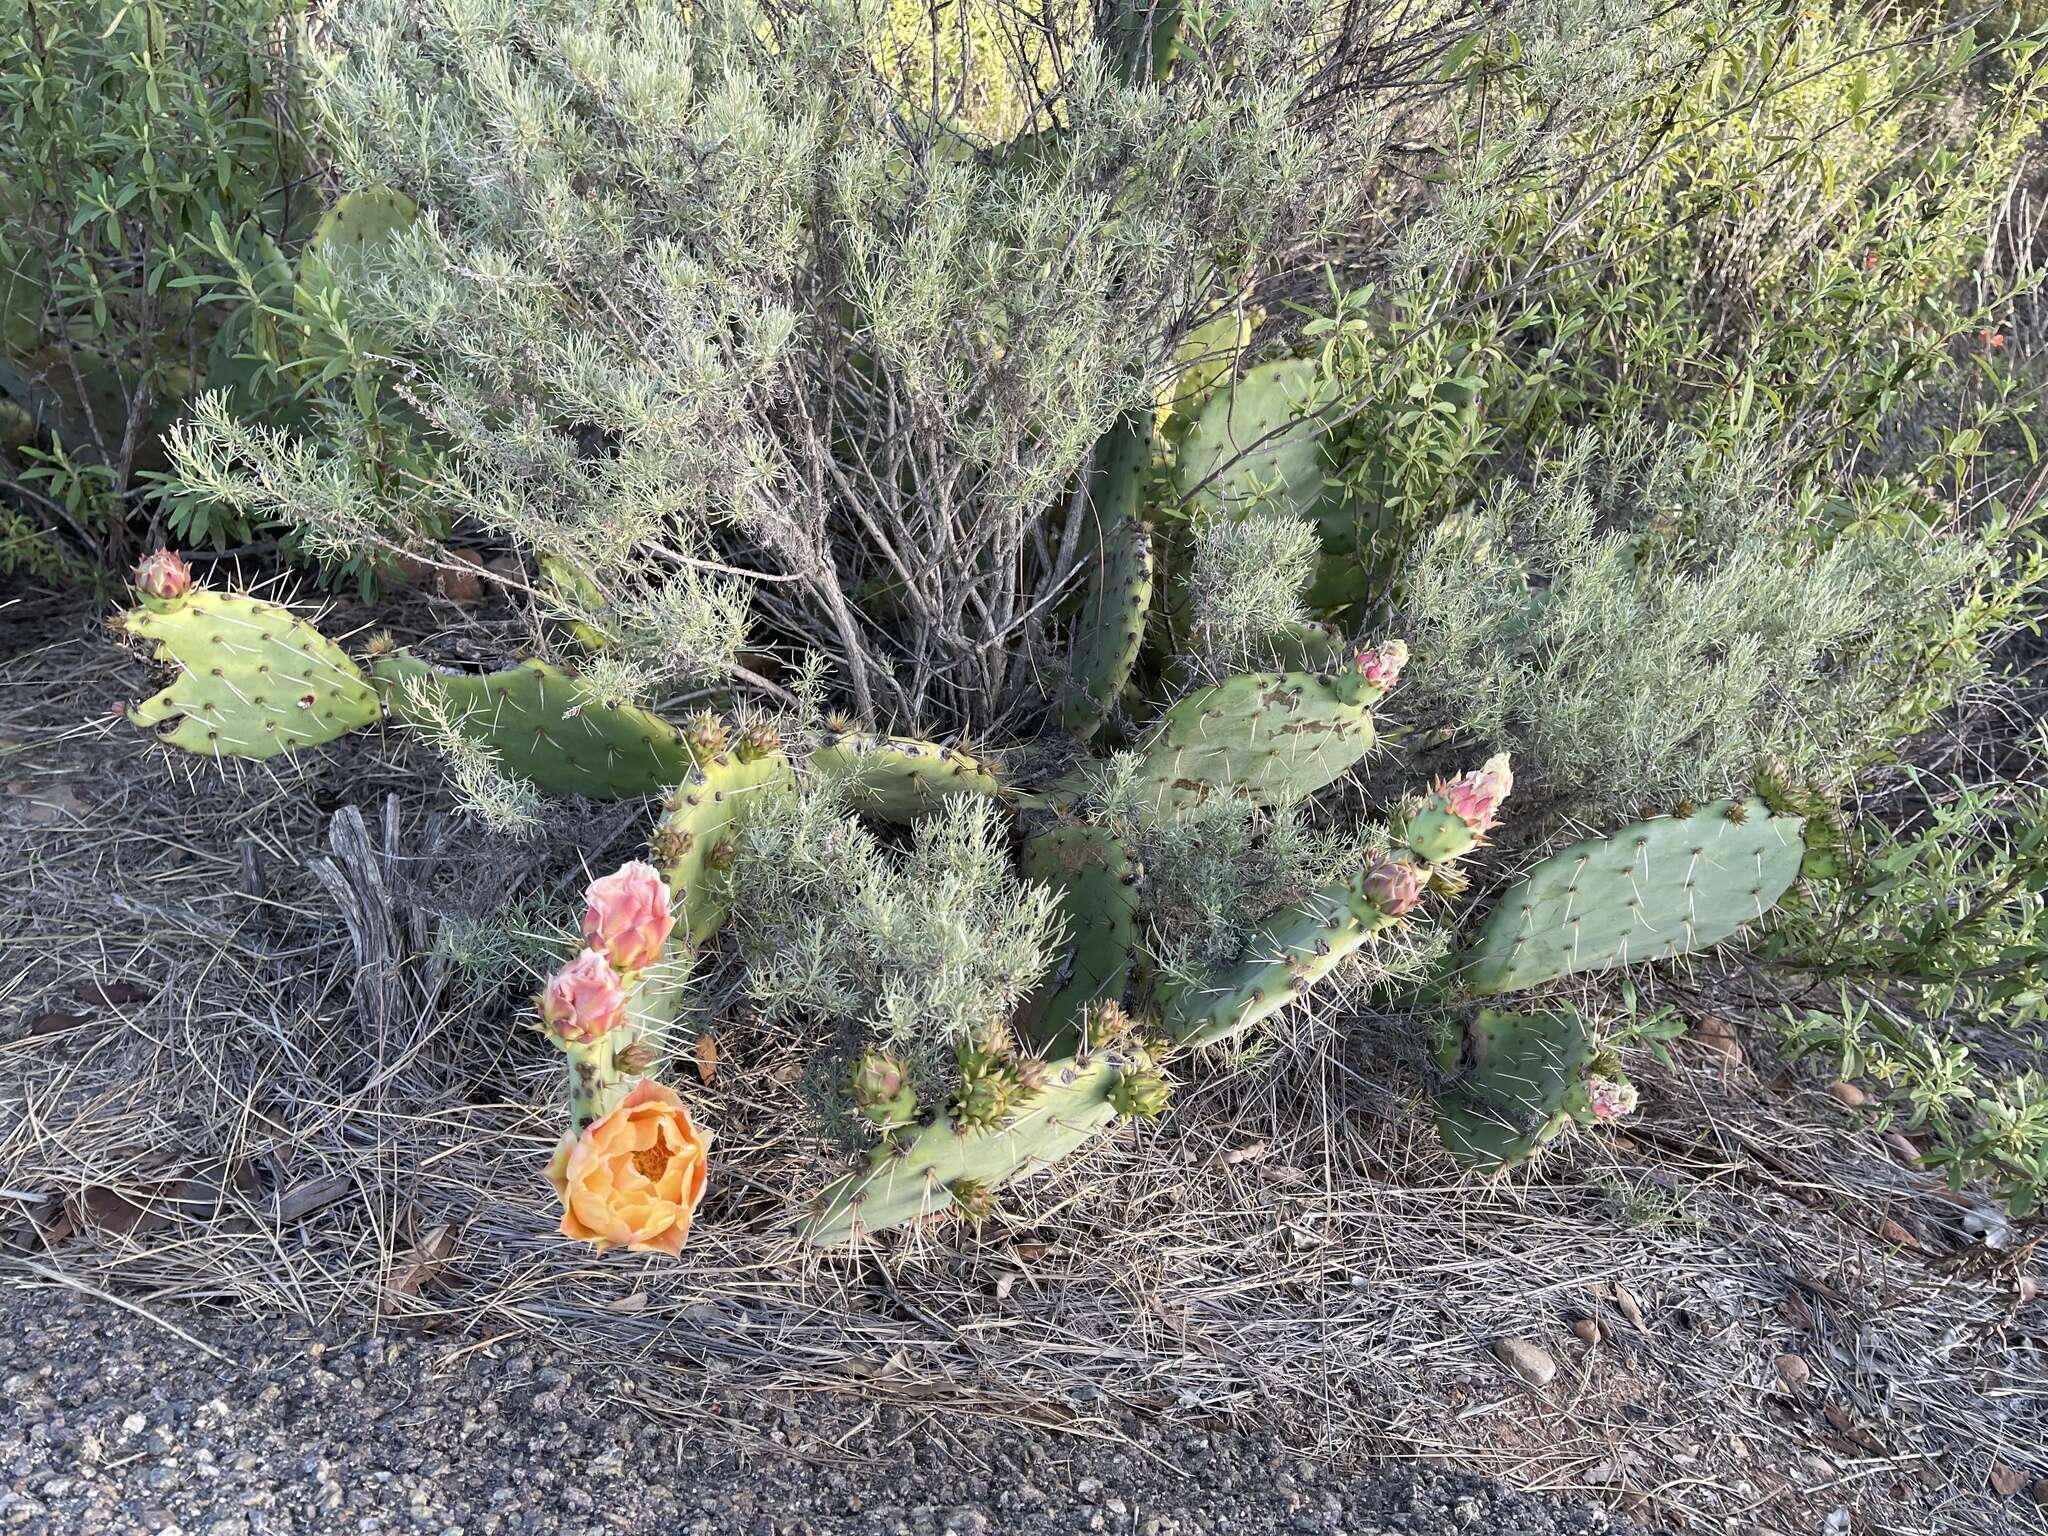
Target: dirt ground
240,1074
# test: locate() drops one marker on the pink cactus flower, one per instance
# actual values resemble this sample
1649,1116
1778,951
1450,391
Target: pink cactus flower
1394,887
583,1000
1381,665
628,918
1474,797
1611,1100
163,575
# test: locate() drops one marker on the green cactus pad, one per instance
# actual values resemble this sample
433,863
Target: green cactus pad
1288,953
898,778
700,816
360,220
910,1178
543,727
1271,737
1097,881
1258,442
254,678
1526,1083
1668,886
1110,626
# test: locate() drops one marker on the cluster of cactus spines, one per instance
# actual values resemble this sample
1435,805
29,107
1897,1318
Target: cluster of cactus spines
1095,876
692,841
1528,1077
912,1176
899,778
881,1090
1668,886
1109,629
543,728
254,679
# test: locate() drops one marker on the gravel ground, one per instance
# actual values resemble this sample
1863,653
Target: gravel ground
115,1423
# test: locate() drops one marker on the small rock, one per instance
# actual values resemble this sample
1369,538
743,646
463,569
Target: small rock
1532,1364
1846,1092
1792,1369
1588,1331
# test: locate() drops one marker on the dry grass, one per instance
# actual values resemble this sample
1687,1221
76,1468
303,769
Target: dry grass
261,1123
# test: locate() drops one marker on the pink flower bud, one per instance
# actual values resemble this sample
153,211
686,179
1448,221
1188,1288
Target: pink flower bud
583,1000
164,575
1394,887
1610,1099
1474,797
628,918
1381,665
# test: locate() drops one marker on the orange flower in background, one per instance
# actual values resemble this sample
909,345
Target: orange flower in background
1994,340
583,1000
635,1178
627,918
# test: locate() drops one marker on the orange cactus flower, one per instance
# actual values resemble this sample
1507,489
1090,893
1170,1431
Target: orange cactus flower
635,1178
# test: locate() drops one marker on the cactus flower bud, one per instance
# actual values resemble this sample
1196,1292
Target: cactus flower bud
881,1091
583,1000
1474,797
1395,887
627,919
1611,1098
1381,665
164,575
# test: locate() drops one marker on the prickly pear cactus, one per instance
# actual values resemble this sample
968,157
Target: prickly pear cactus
1530,1076
690,842
543,728
254,679
922,1175
1672,885
1096,878
898,778
1291,951
1258,442
1271,737
1110,626
357,222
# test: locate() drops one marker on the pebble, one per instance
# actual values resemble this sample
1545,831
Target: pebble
1528,1361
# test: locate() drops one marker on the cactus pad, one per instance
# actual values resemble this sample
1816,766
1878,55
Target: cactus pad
1288,953
1097,881
360,220
1668,886
697,822
1110,626
1271,737
898,778
544,729
915,1176
1258,442
1527,1081
254,679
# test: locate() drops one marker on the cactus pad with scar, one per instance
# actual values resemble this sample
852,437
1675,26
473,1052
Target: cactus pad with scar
1096,878
254,679
1116,591
898,778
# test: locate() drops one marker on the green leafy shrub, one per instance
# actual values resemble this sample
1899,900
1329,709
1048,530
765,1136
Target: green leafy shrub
136,137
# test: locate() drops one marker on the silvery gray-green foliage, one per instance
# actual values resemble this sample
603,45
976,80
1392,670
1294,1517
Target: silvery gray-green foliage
1245,585
1646,620
1215,869
922,948
703,314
